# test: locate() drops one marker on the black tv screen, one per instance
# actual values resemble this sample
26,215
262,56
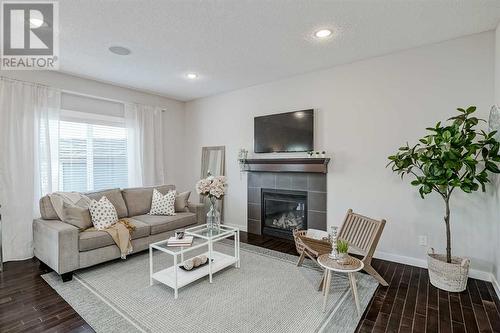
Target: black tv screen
284,132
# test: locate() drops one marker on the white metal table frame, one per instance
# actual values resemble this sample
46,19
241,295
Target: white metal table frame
352,281
208,240
228,232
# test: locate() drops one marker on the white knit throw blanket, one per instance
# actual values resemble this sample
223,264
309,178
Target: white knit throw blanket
72,198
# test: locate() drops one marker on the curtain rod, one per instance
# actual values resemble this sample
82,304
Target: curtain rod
5,78
71,92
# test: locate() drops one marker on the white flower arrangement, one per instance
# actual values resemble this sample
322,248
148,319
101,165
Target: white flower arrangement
212,187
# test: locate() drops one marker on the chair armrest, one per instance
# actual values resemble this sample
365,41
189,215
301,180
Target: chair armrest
56,244
199,210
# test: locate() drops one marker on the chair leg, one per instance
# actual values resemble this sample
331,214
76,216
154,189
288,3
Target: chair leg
370,270
322,282
301,258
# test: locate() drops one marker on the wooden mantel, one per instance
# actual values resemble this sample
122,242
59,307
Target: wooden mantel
313,165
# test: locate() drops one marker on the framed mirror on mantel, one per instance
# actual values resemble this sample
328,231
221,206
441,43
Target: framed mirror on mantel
213,160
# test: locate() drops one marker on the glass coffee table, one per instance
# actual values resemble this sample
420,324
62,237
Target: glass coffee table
175,277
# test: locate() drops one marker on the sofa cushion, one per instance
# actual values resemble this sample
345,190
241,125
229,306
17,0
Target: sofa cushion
47,211
116,198
77,216
182,201
138,199
161,224
94,239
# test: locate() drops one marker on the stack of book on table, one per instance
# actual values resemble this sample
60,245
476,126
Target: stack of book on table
184,241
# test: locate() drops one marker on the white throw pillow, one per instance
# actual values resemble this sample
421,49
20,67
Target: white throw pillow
163,204
103,213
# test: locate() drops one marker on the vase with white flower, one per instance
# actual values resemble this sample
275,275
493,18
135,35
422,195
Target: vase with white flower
212,187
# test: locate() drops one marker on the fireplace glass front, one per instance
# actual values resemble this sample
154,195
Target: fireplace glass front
283,211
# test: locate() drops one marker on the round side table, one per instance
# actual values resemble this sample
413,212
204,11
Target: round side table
331,265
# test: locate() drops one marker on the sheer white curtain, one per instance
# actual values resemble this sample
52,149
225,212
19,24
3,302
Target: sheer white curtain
145,140
28,143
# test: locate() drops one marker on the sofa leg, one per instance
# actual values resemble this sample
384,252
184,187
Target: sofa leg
67,276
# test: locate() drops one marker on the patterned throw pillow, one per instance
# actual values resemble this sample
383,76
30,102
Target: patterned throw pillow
163,204
103,213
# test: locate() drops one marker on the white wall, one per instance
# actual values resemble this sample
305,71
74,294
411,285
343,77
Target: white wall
365,111
174,117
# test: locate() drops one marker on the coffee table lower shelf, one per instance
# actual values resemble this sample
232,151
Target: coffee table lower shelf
168,276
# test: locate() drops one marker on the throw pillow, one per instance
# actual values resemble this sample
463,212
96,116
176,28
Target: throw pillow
77,216
163,204
103,213
181,201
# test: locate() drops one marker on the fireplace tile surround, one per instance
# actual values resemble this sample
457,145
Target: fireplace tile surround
312,183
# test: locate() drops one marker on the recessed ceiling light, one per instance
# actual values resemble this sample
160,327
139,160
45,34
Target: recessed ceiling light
323,33
120,50
192,76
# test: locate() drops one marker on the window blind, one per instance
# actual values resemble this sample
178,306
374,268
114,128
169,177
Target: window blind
92,156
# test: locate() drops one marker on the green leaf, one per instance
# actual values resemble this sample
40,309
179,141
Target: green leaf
494,150
492,166
421,191
465,188
484,152
472,121
470,109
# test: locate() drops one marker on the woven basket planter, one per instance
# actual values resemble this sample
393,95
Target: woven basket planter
448,276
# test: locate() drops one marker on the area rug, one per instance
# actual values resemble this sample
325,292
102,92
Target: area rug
268,293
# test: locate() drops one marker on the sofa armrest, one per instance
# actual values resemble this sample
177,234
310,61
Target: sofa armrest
56,244
199,210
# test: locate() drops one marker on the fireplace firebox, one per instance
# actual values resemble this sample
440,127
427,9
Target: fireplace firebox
283,211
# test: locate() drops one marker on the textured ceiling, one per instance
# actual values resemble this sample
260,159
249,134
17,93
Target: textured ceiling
238,43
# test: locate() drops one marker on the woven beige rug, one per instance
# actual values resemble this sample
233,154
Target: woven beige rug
269,293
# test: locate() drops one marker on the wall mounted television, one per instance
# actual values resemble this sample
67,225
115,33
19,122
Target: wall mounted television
284,132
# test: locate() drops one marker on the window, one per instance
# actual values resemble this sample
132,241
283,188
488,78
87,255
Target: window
92,153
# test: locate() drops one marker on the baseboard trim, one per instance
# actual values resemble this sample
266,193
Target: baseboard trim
473,273
495,284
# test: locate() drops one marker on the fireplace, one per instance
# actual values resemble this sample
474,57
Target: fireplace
283,211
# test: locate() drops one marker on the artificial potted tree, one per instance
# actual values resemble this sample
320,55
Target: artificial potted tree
453,156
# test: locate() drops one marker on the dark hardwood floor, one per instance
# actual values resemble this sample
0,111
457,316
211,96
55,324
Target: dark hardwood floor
29,304
409,304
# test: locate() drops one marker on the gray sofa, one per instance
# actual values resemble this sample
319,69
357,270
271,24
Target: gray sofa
62,247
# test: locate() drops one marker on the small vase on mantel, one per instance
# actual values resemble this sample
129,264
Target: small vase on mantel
213,216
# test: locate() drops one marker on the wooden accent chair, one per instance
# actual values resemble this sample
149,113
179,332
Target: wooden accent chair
310,247
362,233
